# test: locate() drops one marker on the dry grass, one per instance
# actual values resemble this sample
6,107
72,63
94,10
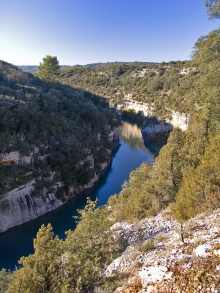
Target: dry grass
148,245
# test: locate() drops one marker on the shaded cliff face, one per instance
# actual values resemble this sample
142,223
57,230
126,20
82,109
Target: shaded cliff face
156,131
54,142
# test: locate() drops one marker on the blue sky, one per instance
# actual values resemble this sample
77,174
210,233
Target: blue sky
90,31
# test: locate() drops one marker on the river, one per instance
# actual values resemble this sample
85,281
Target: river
130,154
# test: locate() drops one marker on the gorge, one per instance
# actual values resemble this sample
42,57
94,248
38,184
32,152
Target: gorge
129,155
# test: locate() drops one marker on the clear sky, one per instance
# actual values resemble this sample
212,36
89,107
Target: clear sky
90,31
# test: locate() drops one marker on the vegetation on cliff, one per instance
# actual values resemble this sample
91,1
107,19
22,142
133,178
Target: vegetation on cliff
63,131
185,174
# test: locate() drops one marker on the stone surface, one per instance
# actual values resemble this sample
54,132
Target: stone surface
153,274
155,268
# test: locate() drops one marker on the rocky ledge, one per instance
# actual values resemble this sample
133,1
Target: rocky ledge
157,260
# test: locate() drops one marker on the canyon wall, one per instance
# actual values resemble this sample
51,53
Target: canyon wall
21,205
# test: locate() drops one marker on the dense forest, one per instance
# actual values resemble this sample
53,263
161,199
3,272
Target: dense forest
161,86
184,177
58,128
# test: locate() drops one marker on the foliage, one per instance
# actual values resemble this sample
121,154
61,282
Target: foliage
73,265
213,8
148,245
61,129
154,84
4,281
49,69
41,271
66,125
135,195
201,188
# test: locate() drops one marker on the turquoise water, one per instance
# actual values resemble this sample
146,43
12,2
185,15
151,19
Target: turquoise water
130,154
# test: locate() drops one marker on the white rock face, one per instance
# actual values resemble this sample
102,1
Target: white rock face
185,71
113,135
156,268
141,73
153,274
19,206
157,128
16,158
180,120
203,250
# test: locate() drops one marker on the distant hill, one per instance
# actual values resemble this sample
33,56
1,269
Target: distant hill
34,68
29,68
106,64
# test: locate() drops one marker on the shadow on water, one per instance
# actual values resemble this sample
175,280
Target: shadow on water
128,156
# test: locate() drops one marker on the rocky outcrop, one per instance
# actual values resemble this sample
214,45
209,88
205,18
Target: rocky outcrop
16,158
152,127
156,259
154,130
20,205
177,119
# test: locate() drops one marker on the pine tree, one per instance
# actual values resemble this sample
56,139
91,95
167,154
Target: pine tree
213,8
49,69
41,271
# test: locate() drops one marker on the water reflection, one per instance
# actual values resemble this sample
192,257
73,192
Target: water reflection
131,134
129,156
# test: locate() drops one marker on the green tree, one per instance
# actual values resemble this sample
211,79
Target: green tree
49,69
213,8
201,186
4,281
73,265
90,246
42,271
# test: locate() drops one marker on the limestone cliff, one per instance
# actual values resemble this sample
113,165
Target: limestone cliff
25,203
19,206
153,126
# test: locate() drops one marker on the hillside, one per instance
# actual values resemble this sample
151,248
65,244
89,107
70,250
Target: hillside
34,68
160,86
161,232
54,142
134,242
